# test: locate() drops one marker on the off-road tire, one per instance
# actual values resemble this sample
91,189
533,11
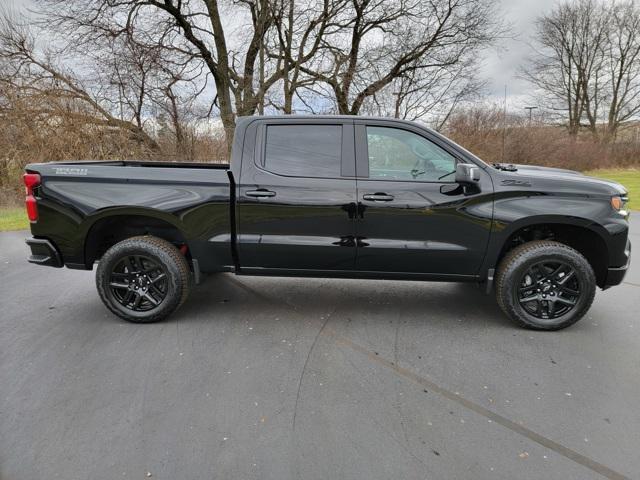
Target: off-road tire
174,264
516,263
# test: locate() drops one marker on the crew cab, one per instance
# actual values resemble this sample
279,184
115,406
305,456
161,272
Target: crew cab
333,196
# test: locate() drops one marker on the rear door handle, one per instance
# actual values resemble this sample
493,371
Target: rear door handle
378,197
260,193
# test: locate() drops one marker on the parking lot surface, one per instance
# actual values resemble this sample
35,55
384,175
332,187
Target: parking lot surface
284,378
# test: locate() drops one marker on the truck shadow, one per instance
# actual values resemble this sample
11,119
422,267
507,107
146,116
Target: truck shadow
225,295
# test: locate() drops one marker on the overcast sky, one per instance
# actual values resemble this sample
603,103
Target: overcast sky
500,66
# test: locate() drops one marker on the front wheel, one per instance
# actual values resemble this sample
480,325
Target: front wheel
545,285
143,279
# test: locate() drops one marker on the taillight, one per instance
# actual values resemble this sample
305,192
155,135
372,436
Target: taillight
31,181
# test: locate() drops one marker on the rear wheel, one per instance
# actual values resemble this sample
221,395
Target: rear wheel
545,285
143,279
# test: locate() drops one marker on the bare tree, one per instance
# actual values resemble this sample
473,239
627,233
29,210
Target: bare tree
191,27
383,41
429,95
300,29
143,81
355,48
623,66
51,90
587,64
569,58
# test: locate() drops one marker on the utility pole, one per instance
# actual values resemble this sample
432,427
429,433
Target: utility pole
504,122
261,78
531,109
396,113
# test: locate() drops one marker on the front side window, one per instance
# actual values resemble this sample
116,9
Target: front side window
304,150
396,154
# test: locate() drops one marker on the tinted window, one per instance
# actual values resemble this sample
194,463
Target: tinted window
304,150
396,154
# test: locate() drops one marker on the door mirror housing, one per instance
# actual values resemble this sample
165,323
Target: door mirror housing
467,174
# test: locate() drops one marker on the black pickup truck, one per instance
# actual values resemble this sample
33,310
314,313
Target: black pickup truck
333,196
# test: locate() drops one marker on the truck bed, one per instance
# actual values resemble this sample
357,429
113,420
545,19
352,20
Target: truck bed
77,199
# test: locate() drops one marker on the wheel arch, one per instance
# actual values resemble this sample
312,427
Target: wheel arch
108,228
581,234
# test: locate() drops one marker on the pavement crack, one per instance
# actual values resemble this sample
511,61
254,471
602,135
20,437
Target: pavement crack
304,369
558,448
398,404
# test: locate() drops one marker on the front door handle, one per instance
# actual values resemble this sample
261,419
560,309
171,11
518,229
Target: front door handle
378,197
260,193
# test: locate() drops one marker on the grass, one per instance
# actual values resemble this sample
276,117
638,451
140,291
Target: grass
13,218
629,178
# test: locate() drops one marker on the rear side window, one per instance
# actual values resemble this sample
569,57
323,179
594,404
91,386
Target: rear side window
304,150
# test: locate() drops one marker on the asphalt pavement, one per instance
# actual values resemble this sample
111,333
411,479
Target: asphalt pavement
284,378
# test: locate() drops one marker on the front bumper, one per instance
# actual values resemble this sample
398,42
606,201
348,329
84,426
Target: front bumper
43,252
615,275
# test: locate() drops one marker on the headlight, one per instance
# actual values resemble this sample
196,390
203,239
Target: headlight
618,202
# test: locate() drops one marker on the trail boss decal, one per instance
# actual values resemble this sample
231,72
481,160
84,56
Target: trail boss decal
515,183
70,171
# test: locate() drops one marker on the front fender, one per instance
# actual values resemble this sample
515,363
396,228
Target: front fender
514,212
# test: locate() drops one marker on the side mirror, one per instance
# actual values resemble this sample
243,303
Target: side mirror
467,174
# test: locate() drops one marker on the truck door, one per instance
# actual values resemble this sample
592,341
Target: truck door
413,217
297,196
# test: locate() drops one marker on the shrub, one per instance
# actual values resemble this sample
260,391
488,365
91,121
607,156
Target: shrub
481,130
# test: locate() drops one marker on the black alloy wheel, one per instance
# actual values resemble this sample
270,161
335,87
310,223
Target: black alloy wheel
545,285
138,283
549,290
143,279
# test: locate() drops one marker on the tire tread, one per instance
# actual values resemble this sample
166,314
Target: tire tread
178,260
515,257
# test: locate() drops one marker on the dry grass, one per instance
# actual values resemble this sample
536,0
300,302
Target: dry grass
481,131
